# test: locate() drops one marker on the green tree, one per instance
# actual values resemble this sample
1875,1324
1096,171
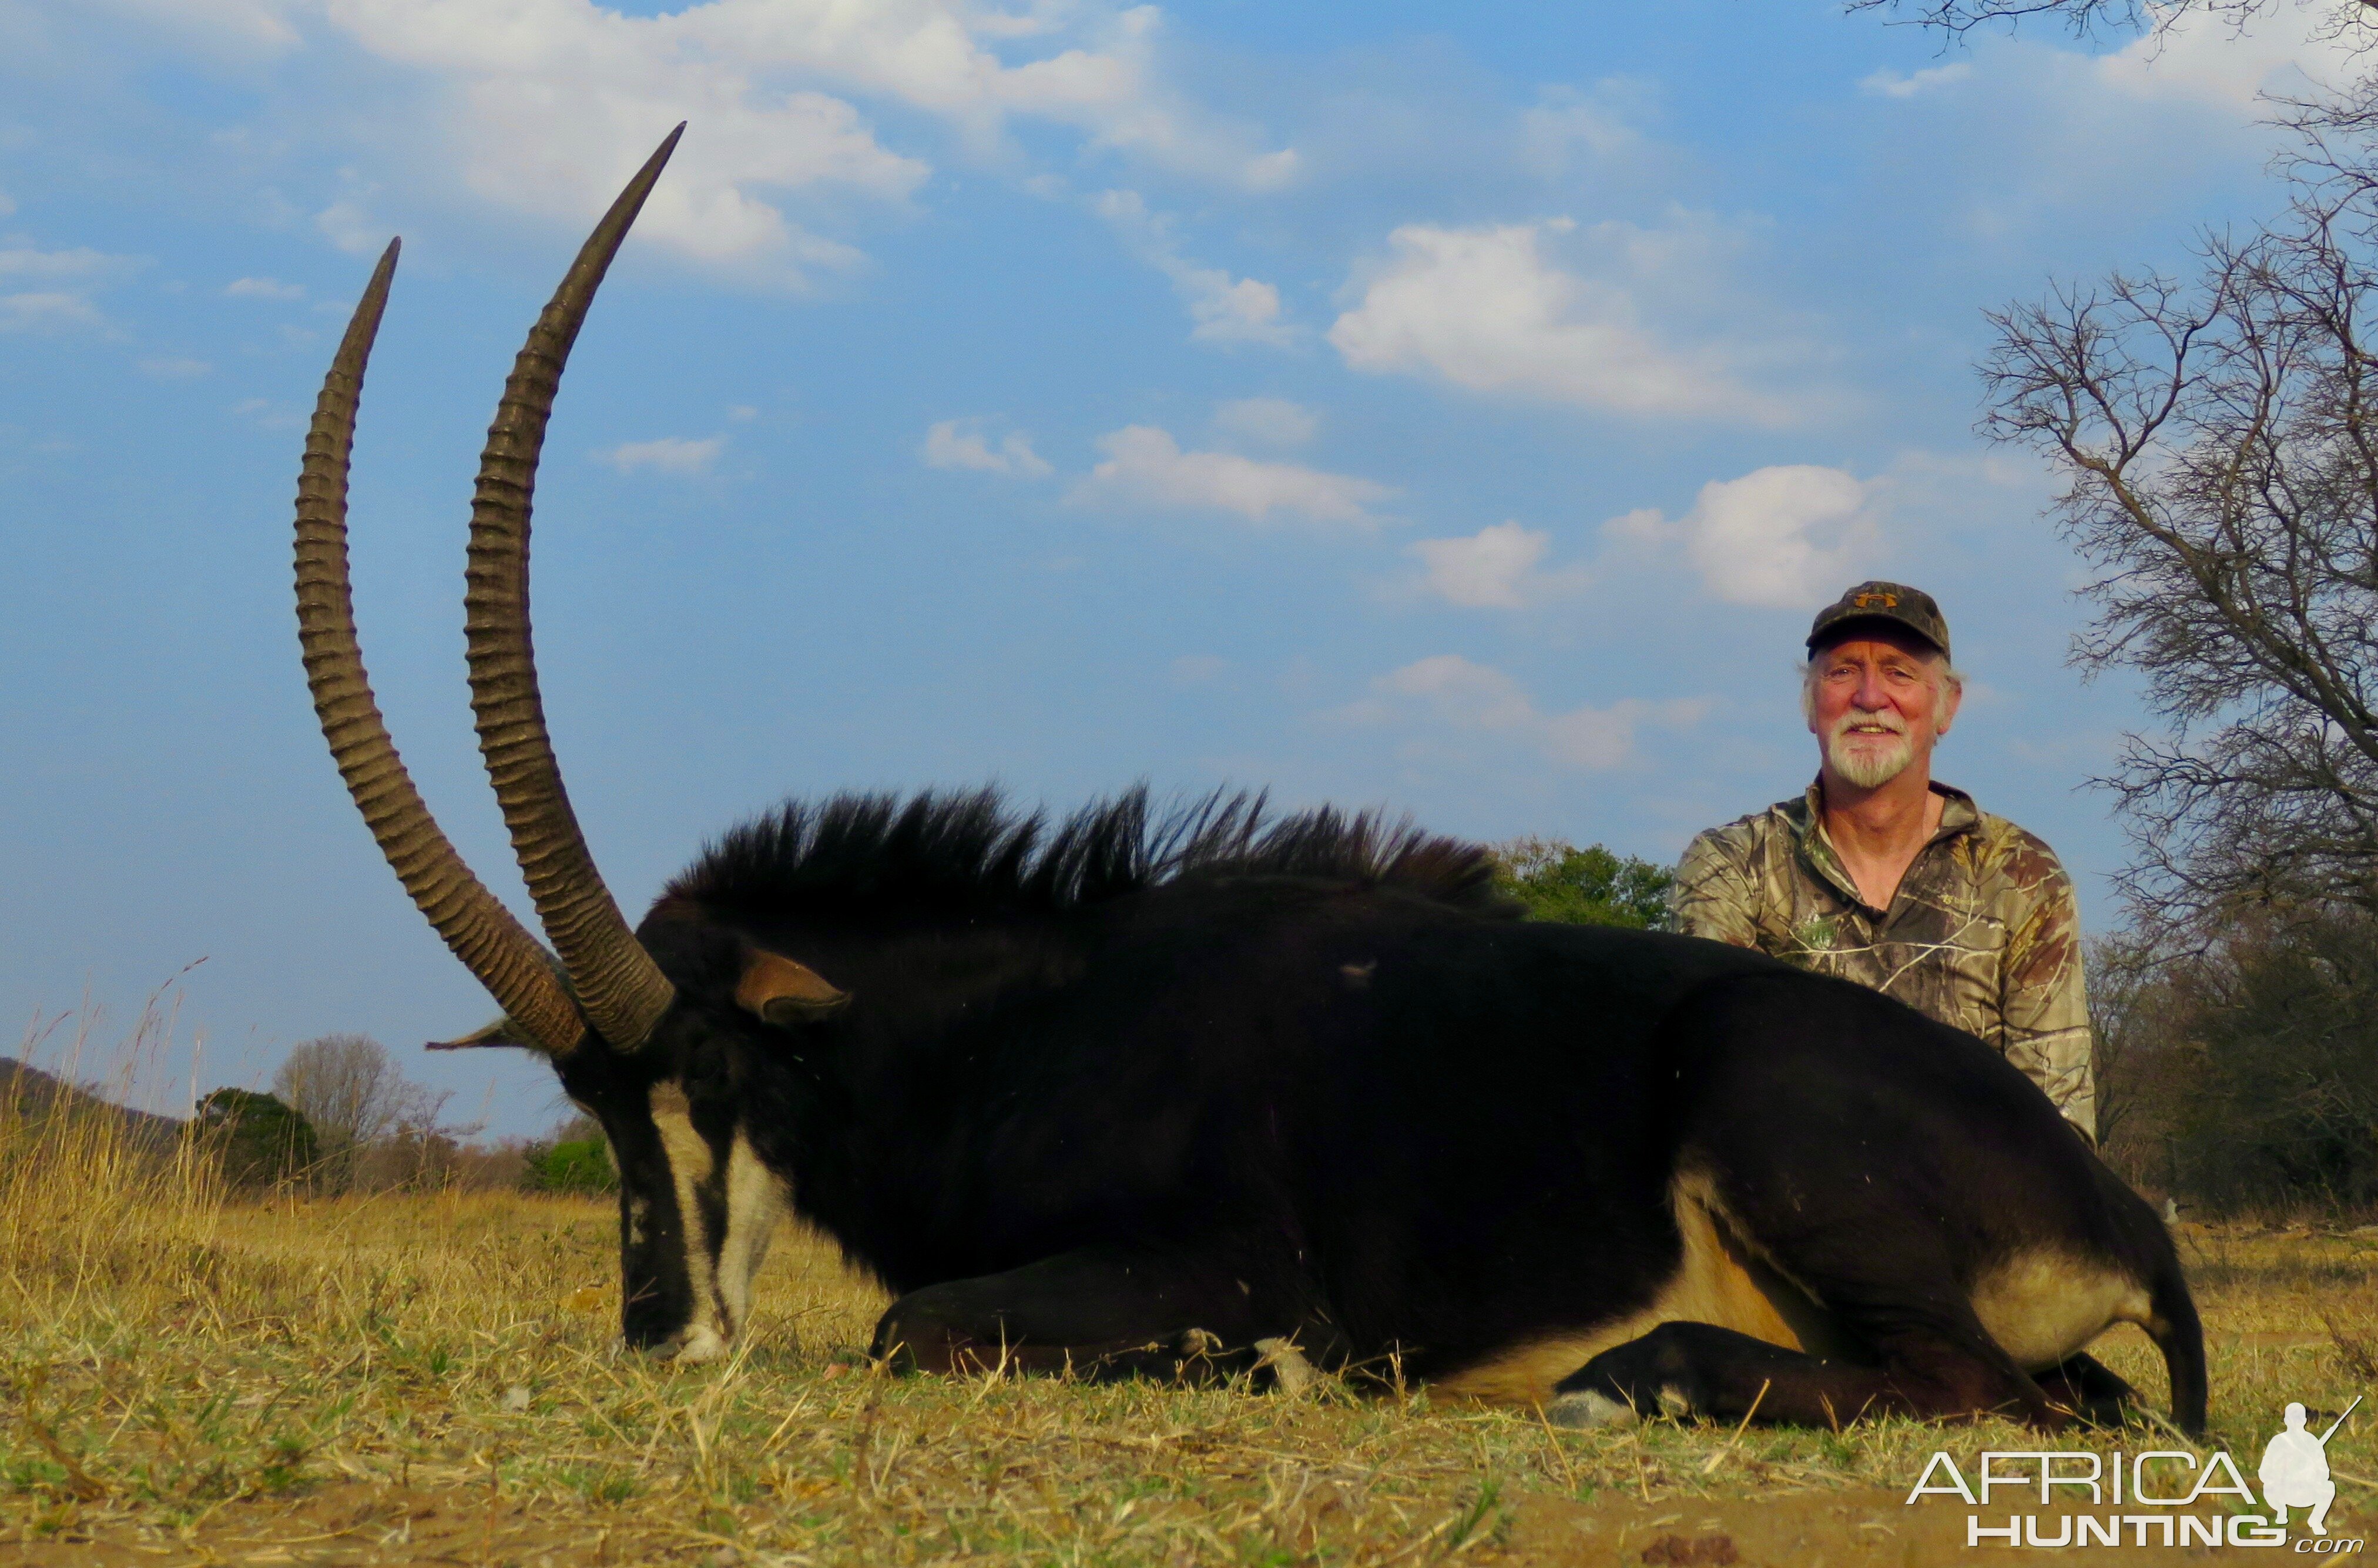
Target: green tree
577,1158
1592,886
260,1141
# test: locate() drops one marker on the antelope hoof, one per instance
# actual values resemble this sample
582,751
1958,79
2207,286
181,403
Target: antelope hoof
1586,1409
1290,1371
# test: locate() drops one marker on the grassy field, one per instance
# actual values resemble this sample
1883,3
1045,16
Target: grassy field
432,1378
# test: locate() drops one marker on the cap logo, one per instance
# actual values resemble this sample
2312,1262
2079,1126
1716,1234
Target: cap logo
1874,601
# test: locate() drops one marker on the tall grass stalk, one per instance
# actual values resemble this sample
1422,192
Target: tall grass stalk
103,1217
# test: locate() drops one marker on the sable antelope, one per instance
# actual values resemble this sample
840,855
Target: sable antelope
1193,1095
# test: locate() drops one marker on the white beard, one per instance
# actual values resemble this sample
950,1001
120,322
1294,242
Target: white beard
1858,758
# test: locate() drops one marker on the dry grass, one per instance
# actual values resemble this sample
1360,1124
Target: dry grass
395,1378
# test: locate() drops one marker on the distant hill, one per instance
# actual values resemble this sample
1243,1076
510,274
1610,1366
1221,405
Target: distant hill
31,1092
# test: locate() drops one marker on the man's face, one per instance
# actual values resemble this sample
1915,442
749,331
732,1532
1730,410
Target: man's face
1877,703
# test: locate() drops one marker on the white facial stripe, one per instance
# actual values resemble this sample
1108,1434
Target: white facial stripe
756,1200
706,1332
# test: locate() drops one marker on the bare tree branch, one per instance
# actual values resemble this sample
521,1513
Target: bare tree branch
347,1088
2220,461
2085,18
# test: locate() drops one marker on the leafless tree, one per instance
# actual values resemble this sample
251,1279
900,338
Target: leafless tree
2218,437
2081,18
346,1086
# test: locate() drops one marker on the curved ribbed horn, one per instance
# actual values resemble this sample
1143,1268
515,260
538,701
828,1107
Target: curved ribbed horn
482,932
623,992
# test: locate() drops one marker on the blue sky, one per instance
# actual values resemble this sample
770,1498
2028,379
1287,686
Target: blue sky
1461,412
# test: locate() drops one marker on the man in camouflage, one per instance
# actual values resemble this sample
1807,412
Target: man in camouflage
1879,875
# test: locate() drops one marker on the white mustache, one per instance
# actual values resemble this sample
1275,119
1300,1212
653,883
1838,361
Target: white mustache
1858,718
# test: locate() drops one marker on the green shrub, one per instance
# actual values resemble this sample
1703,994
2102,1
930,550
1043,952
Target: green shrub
574,1164
1592,886
259,1141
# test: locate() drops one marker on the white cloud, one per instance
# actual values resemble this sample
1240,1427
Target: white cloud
549,111
1495,569
1276,422
2210,57
62,282
1145,467
1225,308
1785,537
230,28
954,443
170,369
1451,692
1643,526
263,288
669,454
1488,311
1598,120
47,310
266,414
350,225
1105,84
543,106
25,261
1891,84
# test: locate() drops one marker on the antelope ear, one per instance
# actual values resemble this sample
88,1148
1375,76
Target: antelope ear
785,993
504,1031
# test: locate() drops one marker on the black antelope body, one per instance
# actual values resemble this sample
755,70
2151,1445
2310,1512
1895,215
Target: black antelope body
1192,1096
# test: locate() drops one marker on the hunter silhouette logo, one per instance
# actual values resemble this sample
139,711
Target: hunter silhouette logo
2295,1470
2167,1497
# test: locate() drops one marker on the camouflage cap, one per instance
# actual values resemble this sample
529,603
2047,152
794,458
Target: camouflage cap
1911,609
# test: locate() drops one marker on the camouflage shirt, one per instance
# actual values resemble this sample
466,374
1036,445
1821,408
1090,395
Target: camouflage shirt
1983,933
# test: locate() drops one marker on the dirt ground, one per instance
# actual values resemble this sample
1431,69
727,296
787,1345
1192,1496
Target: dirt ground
361,1526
